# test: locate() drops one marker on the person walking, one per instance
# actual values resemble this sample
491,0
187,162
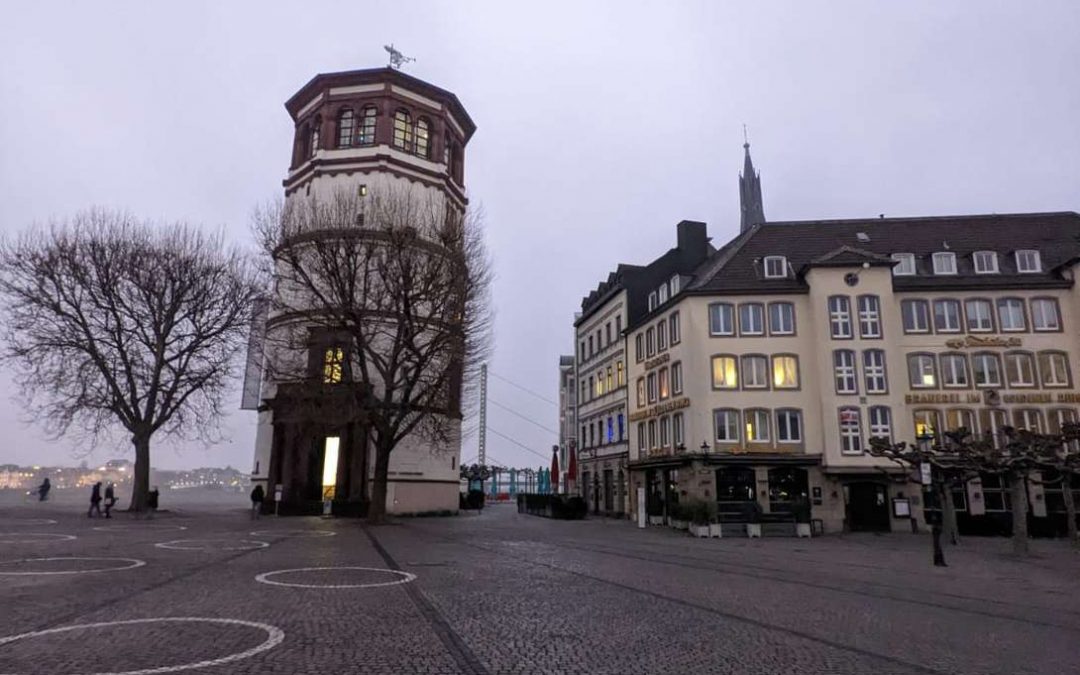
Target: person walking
152,502
95,500
257,497
43,490
110,499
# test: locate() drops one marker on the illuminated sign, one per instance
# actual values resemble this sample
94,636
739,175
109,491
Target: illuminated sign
660,409
971,341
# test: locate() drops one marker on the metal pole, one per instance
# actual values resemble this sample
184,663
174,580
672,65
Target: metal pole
483,415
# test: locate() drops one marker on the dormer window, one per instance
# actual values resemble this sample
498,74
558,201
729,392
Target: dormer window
944,262
775,267
652,301
905,264
1028,262
986,262
675,285
662,294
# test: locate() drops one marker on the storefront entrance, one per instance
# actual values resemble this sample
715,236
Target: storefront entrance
867,507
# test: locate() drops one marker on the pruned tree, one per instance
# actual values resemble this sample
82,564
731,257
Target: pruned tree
402,280
111,322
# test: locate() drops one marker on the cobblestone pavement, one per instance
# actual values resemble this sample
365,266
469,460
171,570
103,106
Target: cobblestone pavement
505,593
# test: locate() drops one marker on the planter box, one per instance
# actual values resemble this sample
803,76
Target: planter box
802,530
680,524
656,520
753,530
715,530
699,530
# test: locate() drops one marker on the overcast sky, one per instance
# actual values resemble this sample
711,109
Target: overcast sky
601,125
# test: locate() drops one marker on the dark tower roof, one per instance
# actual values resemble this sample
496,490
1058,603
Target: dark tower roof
753,210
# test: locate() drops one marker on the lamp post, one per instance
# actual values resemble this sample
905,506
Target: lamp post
931,507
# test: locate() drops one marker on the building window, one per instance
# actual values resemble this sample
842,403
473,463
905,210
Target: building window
757,426
751,319
1028,418
1054,369
980,316
678,431
675,285
844,371
652,434
650,387
641,392
1011,315
1044,315
986,262
874,371
959,418
641,438
785,368
725,372
840,316
333,364
954,372
316,130
993,424
916,315
676,378
788,426
1058,419
620,374
869,316
781,318
591,350
926,423
610,381
345,124
665,432
674,329
880,418
944,262
661,336
987,369
650,342
1019,369
652,301
403,132
600,390
905,264
1027,262
610,430
423,138
775,267
721,319
755,372
639,348
367,126
665,384
726,422
662,295
922,371
607,331
850,431
947,316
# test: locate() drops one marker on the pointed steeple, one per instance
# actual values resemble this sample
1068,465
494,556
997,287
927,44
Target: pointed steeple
750,203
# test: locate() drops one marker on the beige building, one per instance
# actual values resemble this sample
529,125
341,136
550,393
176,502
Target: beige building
762,376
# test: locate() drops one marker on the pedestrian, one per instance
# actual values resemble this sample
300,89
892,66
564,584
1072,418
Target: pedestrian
43,490
257,497
95,500
152,502
110,499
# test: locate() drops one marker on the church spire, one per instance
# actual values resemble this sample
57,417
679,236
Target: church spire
750,203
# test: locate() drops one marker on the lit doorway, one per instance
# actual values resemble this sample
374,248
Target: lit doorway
330,466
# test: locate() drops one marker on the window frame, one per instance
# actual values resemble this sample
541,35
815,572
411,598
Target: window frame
985,255
943,303
341,127
930,358
674,329
1050,353
745,366
977,357
772,372
927,316
905,262
837,376
952,357
942,256
730,415
757,415
752,308
839,317
403,131
367,126
1053,302
869,316
712,371
790,306
1034,255
1002,302
872,424
991,314
848,436
676,379
661,336
774,260
720,309
1005,358
869,371
789,414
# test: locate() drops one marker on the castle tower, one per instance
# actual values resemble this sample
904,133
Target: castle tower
357,133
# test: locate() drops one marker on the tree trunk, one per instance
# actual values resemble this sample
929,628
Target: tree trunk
1070,510
141,484
1018,495
952,529
377,508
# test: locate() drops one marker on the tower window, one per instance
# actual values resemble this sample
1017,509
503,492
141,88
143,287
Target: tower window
314,145
403,132
422,137
345,128
333,361
367,126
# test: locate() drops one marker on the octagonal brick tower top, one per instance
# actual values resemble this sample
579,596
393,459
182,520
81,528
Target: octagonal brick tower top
373,125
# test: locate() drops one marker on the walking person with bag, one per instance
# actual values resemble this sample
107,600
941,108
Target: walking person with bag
110,499
257,498
95,500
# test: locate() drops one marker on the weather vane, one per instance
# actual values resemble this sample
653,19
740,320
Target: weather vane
397,59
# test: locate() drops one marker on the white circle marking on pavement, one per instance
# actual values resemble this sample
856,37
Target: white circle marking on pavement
274,636
293,533
136,561
14,537
30,521
194,545
264,578
133,526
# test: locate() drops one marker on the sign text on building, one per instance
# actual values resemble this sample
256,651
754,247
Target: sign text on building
660,409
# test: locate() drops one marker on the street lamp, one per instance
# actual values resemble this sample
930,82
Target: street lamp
931,507
704,446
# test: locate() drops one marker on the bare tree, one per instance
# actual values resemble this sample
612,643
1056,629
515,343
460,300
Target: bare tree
402,280
109,321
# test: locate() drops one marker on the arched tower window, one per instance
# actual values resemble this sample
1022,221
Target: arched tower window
301,145
345,127
315,127
422,137
367,126
403,133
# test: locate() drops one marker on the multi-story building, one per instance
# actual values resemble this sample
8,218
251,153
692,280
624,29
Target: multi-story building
763,376
628,293
567,415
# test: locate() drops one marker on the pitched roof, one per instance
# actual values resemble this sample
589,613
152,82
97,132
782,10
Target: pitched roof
840,242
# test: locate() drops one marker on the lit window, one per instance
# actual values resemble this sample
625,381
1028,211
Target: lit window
987,369
781,318
844,371
661,336
620,374
1011,315
788,426
333,360
610,381
916,316
926,423
850,431
986,262
840,316
725,372
880,418
721,319
757,426
1044,315
403,131
1054,369
869,316
751,319
922,372
944,262
650,387
980,316
1027,262
755,372
345,128
905,264
775,267
674,329
954,370
665,384
726,422
676,378
367,126
947,316
785,371
1020,369
423,137
874,371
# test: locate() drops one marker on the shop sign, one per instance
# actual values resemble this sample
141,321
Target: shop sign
975,341
658,361
660,409
943,398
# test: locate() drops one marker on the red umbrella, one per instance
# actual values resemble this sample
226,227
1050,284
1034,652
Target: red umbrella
555,470
571,469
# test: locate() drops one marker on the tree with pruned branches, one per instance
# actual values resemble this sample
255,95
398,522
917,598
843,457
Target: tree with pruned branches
402,280
111,322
